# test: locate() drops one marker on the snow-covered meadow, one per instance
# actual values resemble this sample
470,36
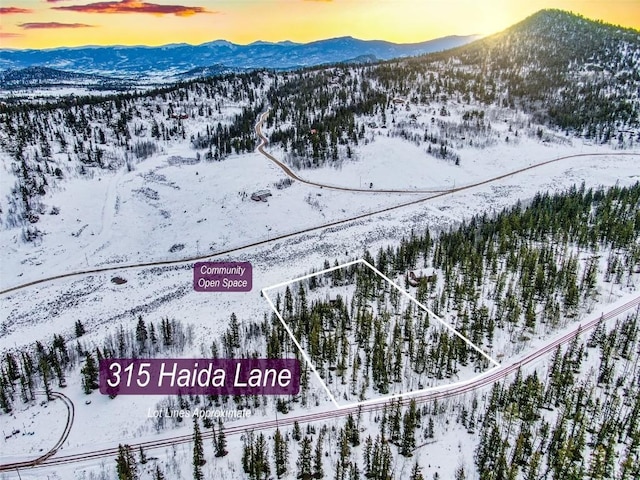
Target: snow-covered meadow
168,209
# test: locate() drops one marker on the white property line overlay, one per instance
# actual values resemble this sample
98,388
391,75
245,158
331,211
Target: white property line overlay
406,294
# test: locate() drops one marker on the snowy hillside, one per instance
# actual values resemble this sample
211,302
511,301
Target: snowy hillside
493,191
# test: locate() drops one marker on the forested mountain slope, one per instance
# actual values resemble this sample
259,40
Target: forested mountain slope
579,74
502,280
552,77
562,71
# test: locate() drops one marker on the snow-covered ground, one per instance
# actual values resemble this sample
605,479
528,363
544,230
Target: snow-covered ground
137,216
119,221
344,388
195,209
393,163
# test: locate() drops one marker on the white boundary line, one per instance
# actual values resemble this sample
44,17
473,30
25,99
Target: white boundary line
284,284
406,294
302,351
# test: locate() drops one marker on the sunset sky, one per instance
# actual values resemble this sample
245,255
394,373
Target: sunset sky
55,23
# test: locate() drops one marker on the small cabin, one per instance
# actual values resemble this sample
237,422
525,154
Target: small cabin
260,195
428,275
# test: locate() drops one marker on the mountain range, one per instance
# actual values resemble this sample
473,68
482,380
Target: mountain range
179,61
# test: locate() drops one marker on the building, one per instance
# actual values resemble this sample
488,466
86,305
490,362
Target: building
428,275
260,195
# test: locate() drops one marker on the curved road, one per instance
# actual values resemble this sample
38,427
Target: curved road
261,149
264,142
494,375
63,438
291,174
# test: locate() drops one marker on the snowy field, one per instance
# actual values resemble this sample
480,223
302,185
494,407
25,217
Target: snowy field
167,210
196,209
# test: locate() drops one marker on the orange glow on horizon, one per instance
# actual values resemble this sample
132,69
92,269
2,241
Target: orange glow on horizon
246,21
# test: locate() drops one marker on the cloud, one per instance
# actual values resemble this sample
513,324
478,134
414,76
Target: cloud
10,35
8,10
38,25
134,6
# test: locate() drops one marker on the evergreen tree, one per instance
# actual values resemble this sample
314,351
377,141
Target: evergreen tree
122,467
198,452
430,428
297,435
395,422
13,371
368,453
234,328
57,368
280,454
247,453
220,445
597,463
304,459
152,336
318,471
255,457
158,475
125,464
352,431
342,465
79,329
45,374
354,471
408,442
416,473
141,335
5,403
261,459
89,375
460,474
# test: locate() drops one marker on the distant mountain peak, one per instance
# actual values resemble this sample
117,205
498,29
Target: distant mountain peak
551,36
36,76
219,43
553,17
576,67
